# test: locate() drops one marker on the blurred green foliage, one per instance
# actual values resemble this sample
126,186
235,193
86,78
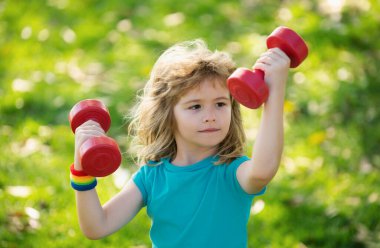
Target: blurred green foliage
54,53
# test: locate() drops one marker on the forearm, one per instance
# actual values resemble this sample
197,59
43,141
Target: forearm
268,147
90,212
97,221
267,150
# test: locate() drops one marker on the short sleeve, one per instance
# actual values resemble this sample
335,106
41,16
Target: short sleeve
232,169
139,178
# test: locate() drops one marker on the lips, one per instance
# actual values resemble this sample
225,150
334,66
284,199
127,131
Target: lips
209,130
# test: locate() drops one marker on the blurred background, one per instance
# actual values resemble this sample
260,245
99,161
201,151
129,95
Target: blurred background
54,53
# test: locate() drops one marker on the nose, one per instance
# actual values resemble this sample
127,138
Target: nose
209,116
210,120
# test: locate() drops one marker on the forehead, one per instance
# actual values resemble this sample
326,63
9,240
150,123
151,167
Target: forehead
208,87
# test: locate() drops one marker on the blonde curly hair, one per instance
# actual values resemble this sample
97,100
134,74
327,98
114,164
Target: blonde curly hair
179,69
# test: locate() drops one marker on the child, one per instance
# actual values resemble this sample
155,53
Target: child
196,182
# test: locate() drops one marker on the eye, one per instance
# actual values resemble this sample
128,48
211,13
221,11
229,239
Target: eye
221,104
195,107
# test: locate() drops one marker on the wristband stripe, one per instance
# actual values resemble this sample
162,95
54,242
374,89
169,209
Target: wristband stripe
77,172
84,183
84,187
81,181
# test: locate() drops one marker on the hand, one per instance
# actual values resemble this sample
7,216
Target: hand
275,64
85,131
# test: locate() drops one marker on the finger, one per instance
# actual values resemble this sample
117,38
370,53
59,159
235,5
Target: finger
261,66
267,60
273,54
90,123
278,53
89,134
79,140
272,51
277,57
265,54
89,129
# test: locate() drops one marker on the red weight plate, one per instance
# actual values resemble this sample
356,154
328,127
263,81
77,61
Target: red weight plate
100,156
248,87
89,109
290,43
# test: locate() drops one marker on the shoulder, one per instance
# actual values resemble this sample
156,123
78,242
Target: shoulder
231,167
238,161
149,168
144,177
240,168
235,164
231,178
247,180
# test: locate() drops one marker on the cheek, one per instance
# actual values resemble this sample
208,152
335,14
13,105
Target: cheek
229,119
179,119
227,116
185,121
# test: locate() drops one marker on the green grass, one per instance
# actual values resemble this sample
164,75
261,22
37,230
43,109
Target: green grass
55,53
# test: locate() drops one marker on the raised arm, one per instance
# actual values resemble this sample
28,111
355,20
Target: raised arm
254,174
97,221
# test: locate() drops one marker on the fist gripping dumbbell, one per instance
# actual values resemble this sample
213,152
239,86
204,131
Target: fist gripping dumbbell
99,156
248,87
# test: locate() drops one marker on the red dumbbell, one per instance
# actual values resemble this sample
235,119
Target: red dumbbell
99,156
248,87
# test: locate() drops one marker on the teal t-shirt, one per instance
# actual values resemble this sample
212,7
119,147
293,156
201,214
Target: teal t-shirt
199,205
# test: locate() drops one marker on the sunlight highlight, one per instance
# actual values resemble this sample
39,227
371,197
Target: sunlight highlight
22,85
174,19
333,8
19,191
124,25
68,35
121,177
26,33
285,14
257,207
43,35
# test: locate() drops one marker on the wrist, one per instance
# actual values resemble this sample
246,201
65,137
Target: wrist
80,180
77,165
277,94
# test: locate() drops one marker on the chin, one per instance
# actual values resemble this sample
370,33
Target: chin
211,144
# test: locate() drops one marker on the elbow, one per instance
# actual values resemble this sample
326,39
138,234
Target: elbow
262,179
268,172
255,185
261,182
92,234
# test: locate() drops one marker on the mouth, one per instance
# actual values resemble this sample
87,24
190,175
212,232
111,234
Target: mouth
209,130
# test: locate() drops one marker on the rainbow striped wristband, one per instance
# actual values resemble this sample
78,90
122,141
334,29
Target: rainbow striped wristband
80,181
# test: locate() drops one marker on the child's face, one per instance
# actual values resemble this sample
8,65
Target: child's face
203,116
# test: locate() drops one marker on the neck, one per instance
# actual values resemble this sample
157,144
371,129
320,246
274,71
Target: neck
189,157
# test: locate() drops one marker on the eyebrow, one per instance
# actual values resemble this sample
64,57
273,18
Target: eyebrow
199,100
